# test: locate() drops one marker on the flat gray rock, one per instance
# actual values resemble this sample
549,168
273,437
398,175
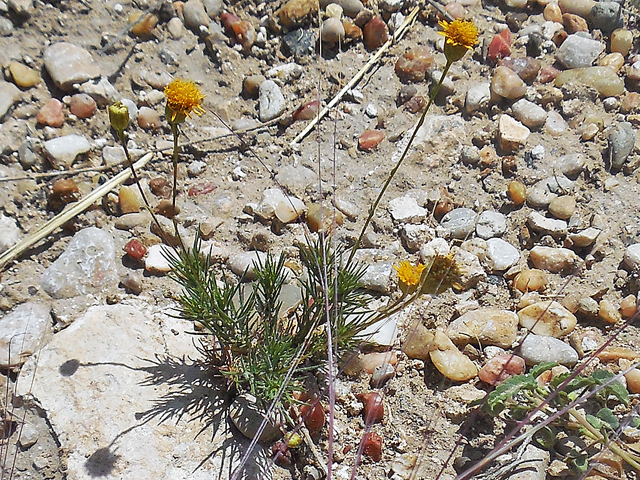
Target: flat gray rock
537,349
22,332
271,101
9,93
67,64
64,150
579,52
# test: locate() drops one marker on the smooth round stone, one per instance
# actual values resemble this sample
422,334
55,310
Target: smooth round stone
501,367
270,100
417,341
604,79
628,306
450,361
478,97
541,194
501,254
621,41
132,220
605,16
149,119
570,165
351,8
530,114
487,326
82,105
23,76
517,192
157,80
526,68
578,7
555,125
195,15
290,210
242,262
536,349
547,318
491,224
562,207
128,200
332,30
334,10
609,312
507,84
10,233
6,27
459,223
51,113
412,66
554,260
175,28
632,256
578,52
64,150
614,60
531,280
552,13
621,142
68,64
588,306
156,261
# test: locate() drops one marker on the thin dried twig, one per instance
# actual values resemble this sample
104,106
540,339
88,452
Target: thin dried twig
67,215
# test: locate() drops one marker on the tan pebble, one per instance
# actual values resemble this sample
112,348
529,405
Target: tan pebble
412,66
501,367
289,210
370,361
63,192
552,13
547,318
562,207
165,208
507,84
149,119
23,76
616,353
574,23
351,30
145,26
517,192
82,105
487,326
334,10
630,102
621,41
324,218
633,379
128,200
51,114
609,312
450,361
531,280
529,298
251,85
589,132
614,60
552,259
418,340
455,9
628,306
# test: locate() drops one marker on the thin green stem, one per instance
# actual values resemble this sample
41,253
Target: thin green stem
175,132
374,207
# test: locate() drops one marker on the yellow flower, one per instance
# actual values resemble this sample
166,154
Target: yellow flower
183,98
408,274
460,36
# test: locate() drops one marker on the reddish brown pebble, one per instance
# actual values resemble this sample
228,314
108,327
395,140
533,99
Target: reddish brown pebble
51,114
241,30
313,415
375,33
548,74
135,249
202,189
372,443
82,105
416,103
527,68
560,37
373,407
630,102
160,187
63,192
165,208
351,30
308,111
501,367
370,139
412,66
574,23
500,46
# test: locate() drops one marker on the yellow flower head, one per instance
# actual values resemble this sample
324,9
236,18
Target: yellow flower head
444,272
460,36
409,275
183,98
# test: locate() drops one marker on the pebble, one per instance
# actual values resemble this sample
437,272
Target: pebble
29,435
501,254
381,375
294,13
491,224
500,46
459,223
550,319
299,42
247,417
507,84
128,200
22,8
64,191
574,23
552,13
86,266
605,16
412,66
512,135
415,236
24,76
156,261
6,27
377,277
527,68
242,262
541,194
144,24
133,282
290,210
149,119
578,51
375,33
251,85
64,150
351,8
613,60
195,168
82,105
531,280
132,220
333,10
417,341
555,125
158,80
175,28
487,326
628,306
552,259
578,7
332,31
536,349
213,7
195,15
370,139
621,41
471,270
10,233
562,207
68,64
622,140
630,102
450,361
22,332
584,238
349,209
477,97
530,114
604,79
51,114
501,367
517,192
570,165
271,101
609,312
383,333
588,306
286,73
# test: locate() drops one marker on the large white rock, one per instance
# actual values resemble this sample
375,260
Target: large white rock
122,408
68,64
64,150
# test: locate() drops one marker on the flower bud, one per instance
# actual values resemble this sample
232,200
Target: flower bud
119,117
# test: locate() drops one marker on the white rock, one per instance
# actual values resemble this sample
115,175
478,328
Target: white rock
377,277
552,226
585,237
290,209
9,233
22,332
555,125
9,93
102,91
156,261
244,263
530,114
486,326
533,463
632,256
471,270
578,52
64,150
406,210
414,236
571,164
501,255
436,247
286,73
550,319
195,15
512,134
541,194
383,333
459,223
271,198
271,101
68,64
552,259
491,224
478,96
101,383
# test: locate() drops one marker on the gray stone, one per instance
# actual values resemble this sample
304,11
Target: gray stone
102,91
298,42
22,8
621,142
377,277
349,209
88,265
606,16
351,8
195,15
491,224
68,64
579,52
242,262
6,27
478,97
414,236
530,114
112,362
570,165
296,178
537,349
501,254
532,465
406,210
459,223
9,93
29,435
542,224
213,7
271,101
22,332
62,151
632,256
10,233
541,194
